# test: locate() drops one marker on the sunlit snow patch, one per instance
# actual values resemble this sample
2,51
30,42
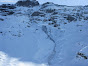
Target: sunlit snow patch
5,60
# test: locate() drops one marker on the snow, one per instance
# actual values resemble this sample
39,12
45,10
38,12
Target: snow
5,60
32,41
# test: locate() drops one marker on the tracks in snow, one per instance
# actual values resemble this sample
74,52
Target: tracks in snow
44,28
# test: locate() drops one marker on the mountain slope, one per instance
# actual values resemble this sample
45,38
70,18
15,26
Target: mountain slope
51,34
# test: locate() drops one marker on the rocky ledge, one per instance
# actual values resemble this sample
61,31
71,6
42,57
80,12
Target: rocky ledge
27,3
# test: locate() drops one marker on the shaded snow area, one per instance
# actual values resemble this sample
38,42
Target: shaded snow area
44,35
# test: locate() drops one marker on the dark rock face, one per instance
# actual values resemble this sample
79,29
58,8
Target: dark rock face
7,9
9,6
46,4
1,20
10,13
27,3
70,18
38,14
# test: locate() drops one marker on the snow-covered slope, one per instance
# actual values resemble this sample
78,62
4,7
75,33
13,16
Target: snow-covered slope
48,34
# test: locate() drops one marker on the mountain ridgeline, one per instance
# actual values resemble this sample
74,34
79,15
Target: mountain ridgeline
27,3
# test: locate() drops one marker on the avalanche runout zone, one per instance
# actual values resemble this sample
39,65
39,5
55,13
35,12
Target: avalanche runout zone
51,56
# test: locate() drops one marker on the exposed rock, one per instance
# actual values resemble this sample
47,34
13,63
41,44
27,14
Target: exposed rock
70,18
27,3
47,3
82,55
10,13
9,6
38,14
1,20
86,6
7,9
50,10
2,9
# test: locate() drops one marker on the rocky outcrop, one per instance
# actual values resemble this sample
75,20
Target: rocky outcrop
27,3
7,9
8,6
38,14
